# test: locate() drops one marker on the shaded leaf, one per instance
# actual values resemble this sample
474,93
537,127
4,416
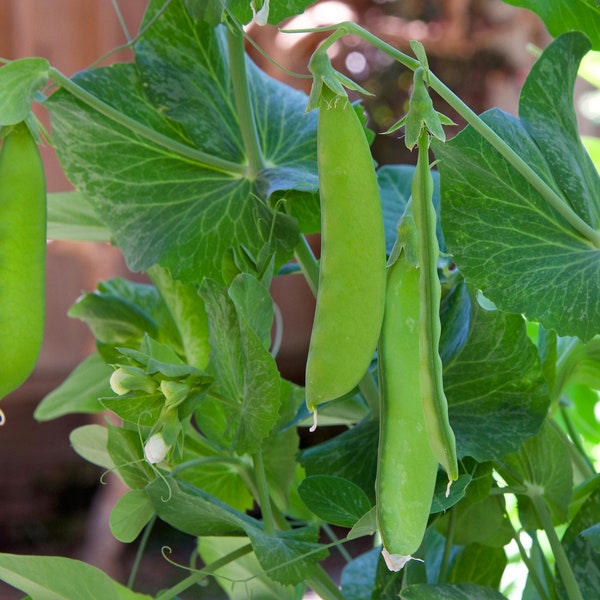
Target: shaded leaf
130,515
20,80
462,591
71,217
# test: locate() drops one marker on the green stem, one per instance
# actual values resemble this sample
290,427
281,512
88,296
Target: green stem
243,103
551,197
338,543
562,562
572,218
531,570
263,493
140,551
448,545
198,576
310,268
206,160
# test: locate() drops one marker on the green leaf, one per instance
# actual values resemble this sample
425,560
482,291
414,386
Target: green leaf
288,558
180,87
58,578
542,466
247,372
492,411
478,564
444,499
358,576
79,393
581,545
462,591
339,456
243,578
130,515
548,114
127,454
560,16
20,81
90,442
72,218
505,238
482,522
334,499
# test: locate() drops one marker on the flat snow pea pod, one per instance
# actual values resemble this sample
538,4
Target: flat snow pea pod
406,466
350,295
435,404
22,257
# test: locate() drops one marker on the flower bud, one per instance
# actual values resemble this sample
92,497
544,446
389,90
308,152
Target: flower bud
174,392
128,379
155,449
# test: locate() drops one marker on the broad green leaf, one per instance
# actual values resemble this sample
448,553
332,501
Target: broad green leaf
542,466
254,304
20,81
547,112
504,237
358,576
58,578
221,478
187,309
580,542
560,16
334,499
443,499
246,371
288,558
121,312
125,449
162,206
461,591
130,515
492,410
351,455
72,218
79,393
195,511
482,522
244,577
478,564
90,442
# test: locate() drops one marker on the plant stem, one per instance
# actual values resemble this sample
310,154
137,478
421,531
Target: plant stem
562,562
243,103
448,545
206,160
336,540
263,493
572,218
531,571
140,551
198,576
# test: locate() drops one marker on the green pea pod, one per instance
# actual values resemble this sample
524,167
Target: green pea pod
435,404
406,467
350,296
22,257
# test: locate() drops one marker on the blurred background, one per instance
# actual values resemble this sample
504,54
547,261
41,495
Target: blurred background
51,501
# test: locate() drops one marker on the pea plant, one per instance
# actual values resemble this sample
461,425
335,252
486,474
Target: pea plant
455,344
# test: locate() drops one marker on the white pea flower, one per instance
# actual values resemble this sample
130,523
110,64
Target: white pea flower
155,449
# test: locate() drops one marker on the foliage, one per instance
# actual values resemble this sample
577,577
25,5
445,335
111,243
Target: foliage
203,171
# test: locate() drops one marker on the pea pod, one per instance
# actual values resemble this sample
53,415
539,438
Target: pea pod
350,296
435,405
407,467
22,256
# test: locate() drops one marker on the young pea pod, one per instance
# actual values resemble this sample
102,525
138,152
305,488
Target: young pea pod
350,296
22,256
435,405
407,467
